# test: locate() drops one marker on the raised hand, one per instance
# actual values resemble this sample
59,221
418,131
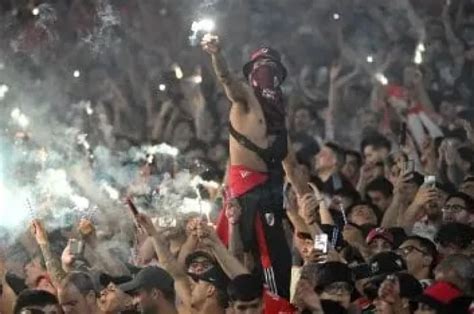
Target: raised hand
211,44
39,232
146,224
233,211
86,228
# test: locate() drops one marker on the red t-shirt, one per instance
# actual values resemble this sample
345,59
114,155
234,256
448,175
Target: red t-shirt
277,305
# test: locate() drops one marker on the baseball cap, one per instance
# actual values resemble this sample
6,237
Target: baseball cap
379,233
439,295
106,279
386,263
332,272
264,53
410,287
148,278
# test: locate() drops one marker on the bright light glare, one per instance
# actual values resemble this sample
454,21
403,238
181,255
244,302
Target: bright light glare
35,11
204,25
420,49
76,73
381,78
178,72
162,87
197,79
3,90
336,16
370,59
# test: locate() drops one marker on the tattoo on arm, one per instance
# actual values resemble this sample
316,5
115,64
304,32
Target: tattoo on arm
53,265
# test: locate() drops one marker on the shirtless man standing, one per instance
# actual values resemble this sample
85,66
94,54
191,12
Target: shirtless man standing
258,146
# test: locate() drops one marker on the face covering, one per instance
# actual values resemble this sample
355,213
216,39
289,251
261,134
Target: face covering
266,80
266,76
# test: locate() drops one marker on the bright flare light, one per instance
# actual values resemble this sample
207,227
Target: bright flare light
35,11
336,16
381,78
370,59
204,25
420,49
76,73
197,79
162,87
3,90
178,72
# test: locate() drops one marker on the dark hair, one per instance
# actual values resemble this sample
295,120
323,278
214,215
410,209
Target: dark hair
428,246
245,288
467,155
81,280
309,109
376,140
371,206
455,233
469,201
34,298
338,152
355,154
381,185
348,191
222,298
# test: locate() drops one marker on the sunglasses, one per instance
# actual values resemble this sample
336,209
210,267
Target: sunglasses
403,251
453,208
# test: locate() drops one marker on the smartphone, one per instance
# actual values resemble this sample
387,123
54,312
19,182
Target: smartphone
167,222
321,243
430,182
408,166
403,134
132,207
76,247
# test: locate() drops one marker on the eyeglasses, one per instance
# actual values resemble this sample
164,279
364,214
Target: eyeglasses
453,208
404,251
339,287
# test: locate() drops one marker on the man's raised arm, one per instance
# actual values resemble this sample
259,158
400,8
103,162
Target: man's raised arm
235,90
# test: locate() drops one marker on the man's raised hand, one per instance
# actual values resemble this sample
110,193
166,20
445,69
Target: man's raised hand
211,44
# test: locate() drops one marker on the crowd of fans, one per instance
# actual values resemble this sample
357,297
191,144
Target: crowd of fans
379,102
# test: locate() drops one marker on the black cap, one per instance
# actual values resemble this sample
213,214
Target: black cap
386,263
410,287
106,279
332,272
149,278
455,233
214,276
197,254
245,288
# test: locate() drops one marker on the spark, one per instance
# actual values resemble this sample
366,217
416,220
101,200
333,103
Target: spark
35,11
370,59
336,16
76,74
162,87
